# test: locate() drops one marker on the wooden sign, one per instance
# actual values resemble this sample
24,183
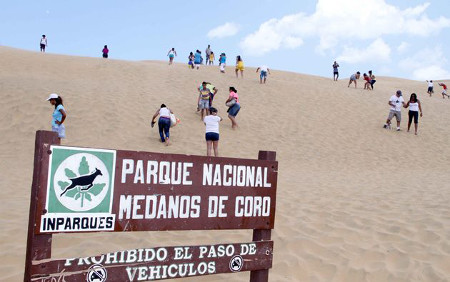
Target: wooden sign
79,189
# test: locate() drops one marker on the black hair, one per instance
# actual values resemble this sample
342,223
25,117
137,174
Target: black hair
233,89
238,58
58,101
106,46
365,74
213,110
163,106
43,35
413,98
358,72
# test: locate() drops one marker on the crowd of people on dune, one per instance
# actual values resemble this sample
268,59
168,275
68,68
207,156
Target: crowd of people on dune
207,91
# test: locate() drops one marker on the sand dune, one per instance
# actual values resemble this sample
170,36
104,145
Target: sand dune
355,202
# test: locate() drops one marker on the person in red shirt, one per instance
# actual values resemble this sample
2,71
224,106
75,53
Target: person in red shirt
444,91
367,84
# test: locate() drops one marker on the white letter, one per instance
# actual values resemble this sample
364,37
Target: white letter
227,179
164,178
125,206
152,170
207,174
139,176
137,206
265,179
238,212
127,168
186,173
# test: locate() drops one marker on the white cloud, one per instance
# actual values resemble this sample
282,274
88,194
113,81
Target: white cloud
336,21
225,30
377,51
428,63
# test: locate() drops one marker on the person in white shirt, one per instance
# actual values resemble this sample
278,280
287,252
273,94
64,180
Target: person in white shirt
43,43
396,102
430,87
163,123
414,108
212,132
263,75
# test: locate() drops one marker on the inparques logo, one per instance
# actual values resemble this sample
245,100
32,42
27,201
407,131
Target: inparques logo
80,188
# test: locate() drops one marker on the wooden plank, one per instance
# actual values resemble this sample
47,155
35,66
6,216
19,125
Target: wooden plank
159,263
38,245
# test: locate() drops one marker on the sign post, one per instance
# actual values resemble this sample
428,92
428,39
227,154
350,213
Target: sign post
101,190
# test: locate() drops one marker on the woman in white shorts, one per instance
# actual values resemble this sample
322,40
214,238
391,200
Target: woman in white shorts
58,116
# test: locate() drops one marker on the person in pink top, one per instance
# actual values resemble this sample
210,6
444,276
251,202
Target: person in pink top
234,106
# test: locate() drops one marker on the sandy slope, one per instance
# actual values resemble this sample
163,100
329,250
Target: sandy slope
355,202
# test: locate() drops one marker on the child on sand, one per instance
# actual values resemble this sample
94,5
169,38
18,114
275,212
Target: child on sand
234,107
222,62
105,51
430,87
58,116
414,108
204,100
444,91
263,75
239,66
172,53
212,132
211,58
191,59
353,78
163,123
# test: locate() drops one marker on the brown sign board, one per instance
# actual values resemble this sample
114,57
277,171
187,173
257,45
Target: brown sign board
142,191
159,263
79,189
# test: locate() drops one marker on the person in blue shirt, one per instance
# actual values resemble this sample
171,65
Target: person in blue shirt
58,116
222,62
198,59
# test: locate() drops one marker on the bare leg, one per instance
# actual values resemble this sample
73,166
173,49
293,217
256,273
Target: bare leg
415,128
167,141
264,80
216,148
208,148
233,122
409,125
242,74
237,73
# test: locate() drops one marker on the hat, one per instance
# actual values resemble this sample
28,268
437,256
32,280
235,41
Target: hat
399,93
52,96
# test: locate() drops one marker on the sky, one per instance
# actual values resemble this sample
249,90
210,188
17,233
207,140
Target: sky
399,38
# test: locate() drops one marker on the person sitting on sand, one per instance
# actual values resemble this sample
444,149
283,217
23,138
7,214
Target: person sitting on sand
105,51
263,75
212,132
163,123
234,107
430,87
444,90
335,71
58,116
172,53
203,100
353,78
367,83
396,102
239,66
414,108
372,79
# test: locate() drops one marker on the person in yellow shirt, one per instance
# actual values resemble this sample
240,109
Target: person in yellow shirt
239,66
211,58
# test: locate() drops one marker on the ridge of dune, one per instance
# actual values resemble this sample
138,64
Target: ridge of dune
355,202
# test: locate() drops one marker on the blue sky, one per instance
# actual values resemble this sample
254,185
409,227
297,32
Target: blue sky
403,38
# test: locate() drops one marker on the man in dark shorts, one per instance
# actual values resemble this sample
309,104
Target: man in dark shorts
43,43
335,71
